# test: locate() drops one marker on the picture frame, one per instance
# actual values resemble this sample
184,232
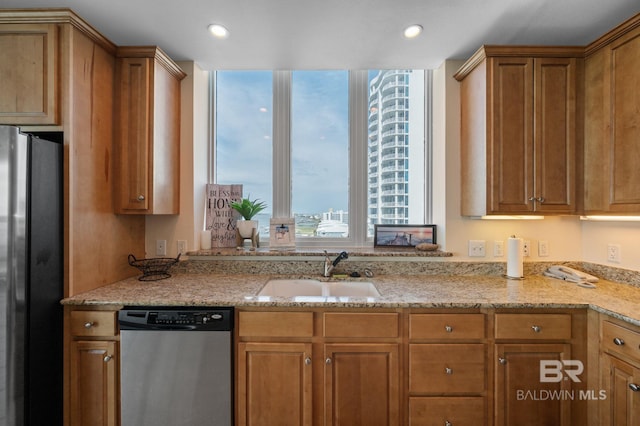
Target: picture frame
282,233
403,235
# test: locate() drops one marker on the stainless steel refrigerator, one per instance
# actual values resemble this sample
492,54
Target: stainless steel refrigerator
31,279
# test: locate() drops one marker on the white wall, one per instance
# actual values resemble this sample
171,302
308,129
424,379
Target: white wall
193,168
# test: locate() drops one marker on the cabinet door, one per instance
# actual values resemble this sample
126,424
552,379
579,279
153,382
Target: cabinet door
133,167
621,381
555,110
510,135
29,81
625,124
362,384
274,384
521,396
93,383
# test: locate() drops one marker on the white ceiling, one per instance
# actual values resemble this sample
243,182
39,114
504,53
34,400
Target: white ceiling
341,34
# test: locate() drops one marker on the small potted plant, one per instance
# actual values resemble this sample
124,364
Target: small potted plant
248,209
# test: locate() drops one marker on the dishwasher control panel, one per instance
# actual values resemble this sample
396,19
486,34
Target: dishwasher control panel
217,319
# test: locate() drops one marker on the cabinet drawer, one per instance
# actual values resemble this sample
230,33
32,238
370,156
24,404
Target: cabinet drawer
455,411
275,324
533,326
447,326
343,324
93,323
447,368
621,340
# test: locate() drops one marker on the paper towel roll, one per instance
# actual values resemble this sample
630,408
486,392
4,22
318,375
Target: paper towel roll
515,257
205,240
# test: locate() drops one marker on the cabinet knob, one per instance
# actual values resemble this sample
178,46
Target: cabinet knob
448,328
327,361
536,328
540,200
88,325
307,360
634,387
447,423
448,370
618,341
140,197
502,361
107,358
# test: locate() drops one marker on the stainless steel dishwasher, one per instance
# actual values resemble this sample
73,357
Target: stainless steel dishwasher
176,366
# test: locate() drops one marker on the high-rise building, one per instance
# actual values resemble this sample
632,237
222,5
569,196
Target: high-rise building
396,156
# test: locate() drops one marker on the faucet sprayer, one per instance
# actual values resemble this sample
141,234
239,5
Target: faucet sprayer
329,265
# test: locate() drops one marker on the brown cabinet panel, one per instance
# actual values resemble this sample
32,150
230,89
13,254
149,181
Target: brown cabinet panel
533,326
447,368
452,411
93,323
29,82
93,383
521,397
362,384
274,384
338,324
622,401
447,326
275,324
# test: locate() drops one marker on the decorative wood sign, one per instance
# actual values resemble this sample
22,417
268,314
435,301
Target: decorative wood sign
220,218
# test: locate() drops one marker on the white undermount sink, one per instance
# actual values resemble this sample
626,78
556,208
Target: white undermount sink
299,287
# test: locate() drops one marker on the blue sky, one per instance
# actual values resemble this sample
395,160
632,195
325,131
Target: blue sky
320,133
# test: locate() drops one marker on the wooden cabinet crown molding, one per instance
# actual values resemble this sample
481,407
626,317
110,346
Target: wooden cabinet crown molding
56,16
614,34
493,51
152,52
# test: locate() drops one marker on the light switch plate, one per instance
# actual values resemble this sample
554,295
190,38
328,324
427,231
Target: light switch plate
477,248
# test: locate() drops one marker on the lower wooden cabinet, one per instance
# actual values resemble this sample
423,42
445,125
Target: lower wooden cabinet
447,411
274,382
318,368
93,383
620,373
521,397
93,360
361,384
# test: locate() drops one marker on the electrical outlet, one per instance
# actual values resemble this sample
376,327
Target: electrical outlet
182,247
498,248
543,248
526,248
476,248
161,247
613,253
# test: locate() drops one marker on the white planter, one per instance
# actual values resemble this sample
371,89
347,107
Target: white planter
245,227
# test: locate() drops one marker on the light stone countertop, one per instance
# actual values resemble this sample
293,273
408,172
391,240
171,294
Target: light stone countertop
397,291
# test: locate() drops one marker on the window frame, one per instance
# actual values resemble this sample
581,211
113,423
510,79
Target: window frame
358,158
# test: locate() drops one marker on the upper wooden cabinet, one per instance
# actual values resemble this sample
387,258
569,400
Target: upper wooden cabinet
518,134
147,142
612,121
29,91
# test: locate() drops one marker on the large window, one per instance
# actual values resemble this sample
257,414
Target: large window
339,151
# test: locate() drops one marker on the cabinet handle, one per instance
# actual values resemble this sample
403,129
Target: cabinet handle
448,370
307,360
536,328
502,361
447,423
618,341
140,197
540,200
107,358
532,198
327,361
634,387
448,328
88,324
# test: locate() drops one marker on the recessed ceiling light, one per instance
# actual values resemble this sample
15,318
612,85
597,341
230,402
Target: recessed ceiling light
218,31
412,31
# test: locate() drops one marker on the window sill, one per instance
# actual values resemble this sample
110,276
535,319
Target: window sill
367,252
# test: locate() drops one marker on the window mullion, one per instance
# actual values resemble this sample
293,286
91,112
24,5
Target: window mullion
358,116
281,144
